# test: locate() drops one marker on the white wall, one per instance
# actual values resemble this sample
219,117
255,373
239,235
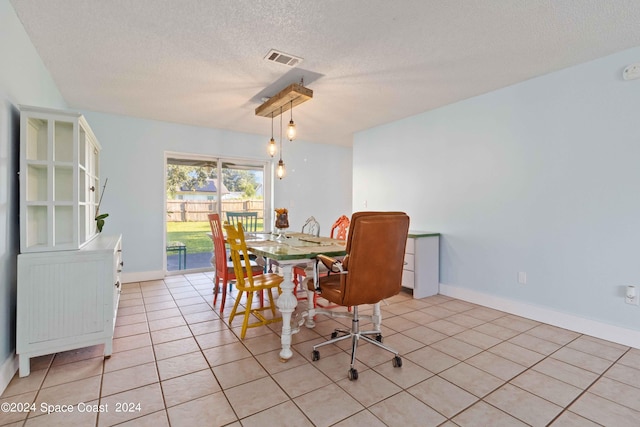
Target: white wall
132,158
23,80
542,177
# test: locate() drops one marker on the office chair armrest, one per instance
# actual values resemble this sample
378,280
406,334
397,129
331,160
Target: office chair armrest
332,264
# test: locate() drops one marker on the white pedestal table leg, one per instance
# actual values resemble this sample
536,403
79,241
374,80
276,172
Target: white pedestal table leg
286,303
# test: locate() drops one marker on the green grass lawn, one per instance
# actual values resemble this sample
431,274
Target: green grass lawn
193,234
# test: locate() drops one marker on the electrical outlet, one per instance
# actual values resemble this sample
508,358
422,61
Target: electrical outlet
522,277
632,72
631,296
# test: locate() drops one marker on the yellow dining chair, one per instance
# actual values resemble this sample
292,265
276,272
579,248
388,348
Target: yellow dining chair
225,271
250,285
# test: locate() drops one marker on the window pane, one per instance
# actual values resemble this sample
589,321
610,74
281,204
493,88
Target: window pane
245,196
198,186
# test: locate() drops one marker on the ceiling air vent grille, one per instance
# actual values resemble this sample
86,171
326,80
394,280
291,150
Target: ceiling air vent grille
283,58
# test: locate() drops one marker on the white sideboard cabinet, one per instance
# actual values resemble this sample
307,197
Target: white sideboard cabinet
422,263
59,180
68,299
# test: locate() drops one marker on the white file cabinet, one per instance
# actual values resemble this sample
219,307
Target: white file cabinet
422,264
68,299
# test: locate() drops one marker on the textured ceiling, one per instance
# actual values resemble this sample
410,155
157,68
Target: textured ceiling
368,62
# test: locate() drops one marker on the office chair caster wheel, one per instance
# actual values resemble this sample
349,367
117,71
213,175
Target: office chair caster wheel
353,374
379,337
334,334
397,362
315,355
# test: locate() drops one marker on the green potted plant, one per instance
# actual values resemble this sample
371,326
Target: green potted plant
100,217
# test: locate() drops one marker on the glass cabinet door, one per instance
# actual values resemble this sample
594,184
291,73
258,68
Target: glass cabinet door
59,165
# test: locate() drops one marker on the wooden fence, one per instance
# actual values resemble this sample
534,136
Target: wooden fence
197,210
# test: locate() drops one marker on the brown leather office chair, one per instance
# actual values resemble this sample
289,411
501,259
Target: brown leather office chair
375,238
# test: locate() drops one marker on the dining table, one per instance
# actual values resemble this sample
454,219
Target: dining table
289,249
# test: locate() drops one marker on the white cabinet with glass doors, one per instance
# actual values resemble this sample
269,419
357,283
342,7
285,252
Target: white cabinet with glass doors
68,280
59,180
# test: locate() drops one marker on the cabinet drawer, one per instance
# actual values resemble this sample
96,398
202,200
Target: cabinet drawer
407,279
410,247
409,262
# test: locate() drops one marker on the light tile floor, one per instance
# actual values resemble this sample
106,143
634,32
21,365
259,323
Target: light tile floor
177,363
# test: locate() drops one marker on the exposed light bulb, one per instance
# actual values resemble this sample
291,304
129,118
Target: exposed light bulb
281,171
291,130
272,147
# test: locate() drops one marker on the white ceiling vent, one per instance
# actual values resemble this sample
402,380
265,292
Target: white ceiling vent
283,58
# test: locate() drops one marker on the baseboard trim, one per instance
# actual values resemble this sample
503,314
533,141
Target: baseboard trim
617,334
7,370
142,276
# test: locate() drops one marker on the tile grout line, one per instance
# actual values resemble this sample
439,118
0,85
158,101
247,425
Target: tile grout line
586,389
155,358
197,287
527,368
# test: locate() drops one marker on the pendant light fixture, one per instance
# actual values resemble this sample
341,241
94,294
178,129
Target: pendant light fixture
293,95
281,171
272,142
291,130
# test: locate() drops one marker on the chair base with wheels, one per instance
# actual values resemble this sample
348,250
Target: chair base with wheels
355,334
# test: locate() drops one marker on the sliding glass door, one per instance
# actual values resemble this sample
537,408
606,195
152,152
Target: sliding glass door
199,185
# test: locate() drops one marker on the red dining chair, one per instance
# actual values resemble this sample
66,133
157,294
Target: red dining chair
223,267
340,228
